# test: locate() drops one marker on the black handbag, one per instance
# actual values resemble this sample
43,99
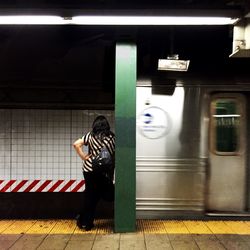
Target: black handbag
103,161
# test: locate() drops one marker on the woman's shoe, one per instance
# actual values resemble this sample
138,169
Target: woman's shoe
79,224
85,227
88,227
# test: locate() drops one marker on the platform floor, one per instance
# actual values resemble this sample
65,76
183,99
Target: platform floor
150,234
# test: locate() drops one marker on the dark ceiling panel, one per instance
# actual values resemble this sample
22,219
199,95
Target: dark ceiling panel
126,3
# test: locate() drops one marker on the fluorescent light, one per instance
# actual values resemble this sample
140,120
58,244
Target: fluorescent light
151,20
114,20
32,19
226,116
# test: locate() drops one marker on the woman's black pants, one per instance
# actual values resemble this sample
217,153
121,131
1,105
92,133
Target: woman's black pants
96,187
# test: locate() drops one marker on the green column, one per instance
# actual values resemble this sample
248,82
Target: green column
125,125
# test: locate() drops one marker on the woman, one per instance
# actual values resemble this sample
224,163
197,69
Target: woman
95,182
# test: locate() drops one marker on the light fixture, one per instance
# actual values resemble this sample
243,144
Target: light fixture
32,19
172,63
241,39
151,20
113,20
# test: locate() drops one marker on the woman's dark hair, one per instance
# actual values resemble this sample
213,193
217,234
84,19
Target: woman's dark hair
100,126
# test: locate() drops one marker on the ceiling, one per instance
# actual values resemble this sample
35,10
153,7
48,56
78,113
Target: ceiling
66,64
243,5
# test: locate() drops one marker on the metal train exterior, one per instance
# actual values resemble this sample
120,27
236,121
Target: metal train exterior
192,149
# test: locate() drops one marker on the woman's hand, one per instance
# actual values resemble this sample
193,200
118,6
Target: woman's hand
87,157
78,148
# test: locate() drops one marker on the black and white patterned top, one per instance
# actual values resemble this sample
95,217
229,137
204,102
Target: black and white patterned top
95,144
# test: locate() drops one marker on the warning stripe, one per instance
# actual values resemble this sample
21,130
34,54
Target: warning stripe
7,186
33,184
67,185
78,186
55,186
42,186
19,186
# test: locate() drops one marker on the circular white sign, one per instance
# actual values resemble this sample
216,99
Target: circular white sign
154,122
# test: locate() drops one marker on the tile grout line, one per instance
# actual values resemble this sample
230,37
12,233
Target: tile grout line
21,234
191,234
45,236
7,226
15,242
93,241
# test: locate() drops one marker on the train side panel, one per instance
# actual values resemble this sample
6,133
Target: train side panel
171,151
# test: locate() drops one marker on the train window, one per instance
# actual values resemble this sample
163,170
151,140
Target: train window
226,126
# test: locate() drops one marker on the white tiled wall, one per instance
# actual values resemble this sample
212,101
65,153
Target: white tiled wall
37,144
5,143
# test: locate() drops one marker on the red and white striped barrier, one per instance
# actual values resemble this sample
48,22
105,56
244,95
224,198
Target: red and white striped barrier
41,186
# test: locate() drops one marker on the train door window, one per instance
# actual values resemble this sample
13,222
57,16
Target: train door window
226,125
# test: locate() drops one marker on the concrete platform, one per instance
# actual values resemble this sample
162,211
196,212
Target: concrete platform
150,234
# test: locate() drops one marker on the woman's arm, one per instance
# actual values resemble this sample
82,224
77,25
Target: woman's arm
78,148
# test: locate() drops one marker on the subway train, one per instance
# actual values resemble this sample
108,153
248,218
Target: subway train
192,149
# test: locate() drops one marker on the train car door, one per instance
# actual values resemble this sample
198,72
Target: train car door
227,154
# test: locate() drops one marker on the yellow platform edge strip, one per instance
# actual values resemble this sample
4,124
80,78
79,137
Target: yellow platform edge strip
103,226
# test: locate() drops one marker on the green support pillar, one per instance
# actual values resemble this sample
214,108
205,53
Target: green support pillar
125,125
